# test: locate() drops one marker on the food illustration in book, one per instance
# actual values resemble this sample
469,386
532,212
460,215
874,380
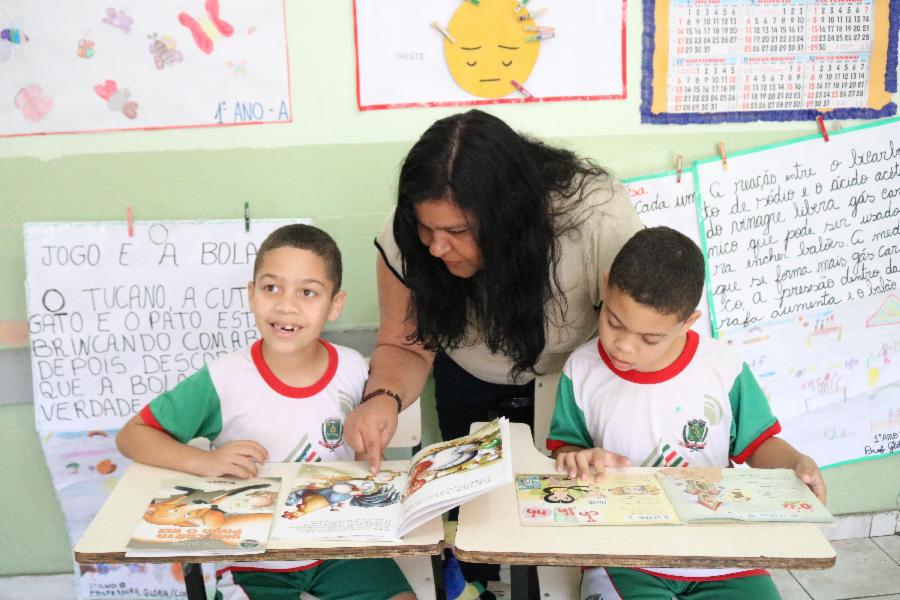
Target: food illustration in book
206,515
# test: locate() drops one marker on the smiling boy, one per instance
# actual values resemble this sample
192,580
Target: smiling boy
284,399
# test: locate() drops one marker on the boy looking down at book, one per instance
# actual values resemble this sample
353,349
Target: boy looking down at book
649,391
283,399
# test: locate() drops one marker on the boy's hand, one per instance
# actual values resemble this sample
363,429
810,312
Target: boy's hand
578,463
239,459
808,472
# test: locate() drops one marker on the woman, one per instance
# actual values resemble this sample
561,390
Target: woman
490,269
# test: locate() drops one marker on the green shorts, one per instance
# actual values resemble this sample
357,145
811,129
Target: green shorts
356,579
615,583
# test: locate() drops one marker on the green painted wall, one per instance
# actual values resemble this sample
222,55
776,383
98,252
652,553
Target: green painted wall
334,164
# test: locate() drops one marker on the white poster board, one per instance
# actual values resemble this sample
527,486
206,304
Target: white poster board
400,57
96,66
803,250
116,320
669,199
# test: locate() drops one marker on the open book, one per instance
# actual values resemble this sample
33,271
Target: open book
344,500
191,515
669,496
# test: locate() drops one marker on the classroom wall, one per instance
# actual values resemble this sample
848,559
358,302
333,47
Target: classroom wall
334,164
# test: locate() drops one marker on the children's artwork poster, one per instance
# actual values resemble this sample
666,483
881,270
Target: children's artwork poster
115,320
452,53
70,67
712,61
669,199
803,248
85,466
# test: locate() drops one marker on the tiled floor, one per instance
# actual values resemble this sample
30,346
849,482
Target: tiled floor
866,568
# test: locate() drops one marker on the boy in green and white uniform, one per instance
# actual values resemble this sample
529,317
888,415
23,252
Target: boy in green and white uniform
283,399
649,391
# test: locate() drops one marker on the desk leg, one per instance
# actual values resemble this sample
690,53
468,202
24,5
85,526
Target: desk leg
524,582
437,568
193,581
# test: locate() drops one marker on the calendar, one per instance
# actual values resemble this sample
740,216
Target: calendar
741,60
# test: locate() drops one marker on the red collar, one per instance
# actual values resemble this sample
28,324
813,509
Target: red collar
677,366
294,392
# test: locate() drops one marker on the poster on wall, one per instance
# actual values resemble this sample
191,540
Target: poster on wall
88,66
780,60
114,320
452,53
85,466
803,246
669,199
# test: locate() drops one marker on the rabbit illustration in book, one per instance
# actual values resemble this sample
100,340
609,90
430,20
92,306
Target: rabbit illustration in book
196,508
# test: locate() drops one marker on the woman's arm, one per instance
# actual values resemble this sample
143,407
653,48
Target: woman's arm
396,365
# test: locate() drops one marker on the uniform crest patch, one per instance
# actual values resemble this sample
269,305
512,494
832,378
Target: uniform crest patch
694,434
332,433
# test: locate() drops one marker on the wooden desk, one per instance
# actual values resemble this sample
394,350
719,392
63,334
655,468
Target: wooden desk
105,539
489,532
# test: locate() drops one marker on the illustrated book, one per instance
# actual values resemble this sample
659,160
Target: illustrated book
668,496
344,500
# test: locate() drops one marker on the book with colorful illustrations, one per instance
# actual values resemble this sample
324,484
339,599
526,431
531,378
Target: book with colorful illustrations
668,496
344,500
193,516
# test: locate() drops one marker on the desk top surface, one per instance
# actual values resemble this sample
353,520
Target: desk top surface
105,539
489,531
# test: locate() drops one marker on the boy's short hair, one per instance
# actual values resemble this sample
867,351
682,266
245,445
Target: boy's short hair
660,268
304,237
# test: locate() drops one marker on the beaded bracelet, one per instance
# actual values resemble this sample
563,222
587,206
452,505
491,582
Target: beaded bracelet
384,392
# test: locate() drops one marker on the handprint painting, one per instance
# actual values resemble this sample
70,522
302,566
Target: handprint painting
489,50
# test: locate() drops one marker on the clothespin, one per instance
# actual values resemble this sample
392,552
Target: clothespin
246,216
539,29
437,27
520,89
520,6
723,155
532,15
678,169
129,217
821,121
475,2
540,36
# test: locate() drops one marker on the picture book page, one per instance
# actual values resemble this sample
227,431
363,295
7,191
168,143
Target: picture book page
339,500
712,494
616,499
191,516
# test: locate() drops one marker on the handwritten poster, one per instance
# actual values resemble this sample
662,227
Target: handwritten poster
667,199
803,243
741,60
99,66
116,320
450,53
85,467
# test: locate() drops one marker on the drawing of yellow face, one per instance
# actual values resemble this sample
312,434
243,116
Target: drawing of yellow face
490,48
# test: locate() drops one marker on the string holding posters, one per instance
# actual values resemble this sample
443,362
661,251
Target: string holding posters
452,53
669,199
116,320
712,61
94,66
803,248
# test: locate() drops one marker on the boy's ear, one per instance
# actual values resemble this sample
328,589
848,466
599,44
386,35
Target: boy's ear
250,289
605,283
689,322
337,305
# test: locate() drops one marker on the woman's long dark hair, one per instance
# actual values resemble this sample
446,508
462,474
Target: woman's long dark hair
523,194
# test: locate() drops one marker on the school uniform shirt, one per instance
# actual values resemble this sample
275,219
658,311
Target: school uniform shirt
704,410
608,220
237,397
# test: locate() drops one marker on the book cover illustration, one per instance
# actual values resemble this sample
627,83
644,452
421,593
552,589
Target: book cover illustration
328,501
616,499
710,494
206,515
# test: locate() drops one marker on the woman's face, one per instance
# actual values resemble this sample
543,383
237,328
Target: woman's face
449,234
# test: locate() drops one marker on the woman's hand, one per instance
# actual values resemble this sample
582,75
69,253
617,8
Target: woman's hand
370,427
